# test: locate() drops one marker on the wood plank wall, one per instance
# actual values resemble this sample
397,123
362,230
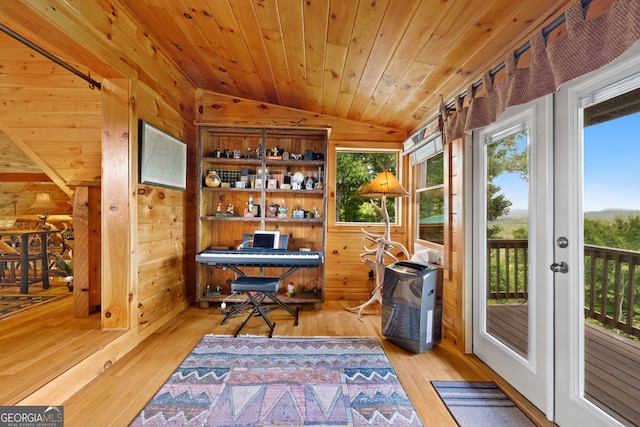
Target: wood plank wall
149,279
166,223
453,312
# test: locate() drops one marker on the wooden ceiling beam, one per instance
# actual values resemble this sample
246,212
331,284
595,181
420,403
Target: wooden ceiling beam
57,179
24,177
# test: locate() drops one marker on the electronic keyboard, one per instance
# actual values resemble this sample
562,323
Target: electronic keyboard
264,258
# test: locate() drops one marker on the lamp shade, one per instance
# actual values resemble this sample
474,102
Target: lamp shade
43,201
383,184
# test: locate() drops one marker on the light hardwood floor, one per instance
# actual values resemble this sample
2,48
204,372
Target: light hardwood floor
116,397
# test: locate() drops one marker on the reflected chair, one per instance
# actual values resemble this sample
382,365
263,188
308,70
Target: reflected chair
259,291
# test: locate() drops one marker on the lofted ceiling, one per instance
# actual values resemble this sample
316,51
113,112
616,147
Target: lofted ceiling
384,62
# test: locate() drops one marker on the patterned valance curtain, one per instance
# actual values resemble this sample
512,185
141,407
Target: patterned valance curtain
587,46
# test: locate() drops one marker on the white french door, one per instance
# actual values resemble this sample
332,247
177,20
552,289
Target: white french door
605,95
512,294
533,177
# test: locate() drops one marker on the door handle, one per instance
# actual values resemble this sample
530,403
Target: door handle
559,267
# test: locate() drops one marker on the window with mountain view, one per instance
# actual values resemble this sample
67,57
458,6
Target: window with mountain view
507,222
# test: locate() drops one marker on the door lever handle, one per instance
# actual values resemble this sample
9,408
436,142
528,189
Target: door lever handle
559,267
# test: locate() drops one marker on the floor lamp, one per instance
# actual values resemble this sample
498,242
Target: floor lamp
384,185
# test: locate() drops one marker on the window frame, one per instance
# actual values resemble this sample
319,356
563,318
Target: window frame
419,176
398,175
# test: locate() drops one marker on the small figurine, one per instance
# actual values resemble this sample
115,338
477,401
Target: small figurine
248,211
230,209
282,209
308,184
219,208
273,210
274,151
296,181
247,154
291,289
259,152
313,292
316,213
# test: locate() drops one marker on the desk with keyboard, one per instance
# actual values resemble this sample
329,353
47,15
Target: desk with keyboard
259,288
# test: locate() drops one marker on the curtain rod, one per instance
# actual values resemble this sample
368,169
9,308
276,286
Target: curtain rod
92,83
522,49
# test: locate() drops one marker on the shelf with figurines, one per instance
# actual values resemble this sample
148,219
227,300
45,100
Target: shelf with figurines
279,156
233,157
279,212
228,212
283,170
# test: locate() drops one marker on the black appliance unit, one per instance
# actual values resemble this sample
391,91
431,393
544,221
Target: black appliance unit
412,305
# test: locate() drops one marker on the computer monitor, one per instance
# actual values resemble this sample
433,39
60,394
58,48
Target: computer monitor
266,239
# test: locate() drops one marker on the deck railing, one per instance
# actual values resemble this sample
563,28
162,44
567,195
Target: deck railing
611,285
612,281
508,264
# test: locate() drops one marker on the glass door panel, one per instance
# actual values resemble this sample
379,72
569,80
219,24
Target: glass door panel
512,294
597,217
611,234
507,203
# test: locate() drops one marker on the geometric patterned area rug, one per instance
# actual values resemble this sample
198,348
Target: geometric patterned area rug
479,404
285,381
10,305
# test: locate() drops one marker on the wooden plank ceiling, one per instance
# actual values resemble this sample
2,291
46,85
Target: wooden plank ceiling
382,62
385,62
50,129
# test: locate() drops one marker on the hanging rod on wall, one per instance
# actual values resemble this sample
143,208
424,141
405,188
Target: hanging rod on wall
92,83
522,49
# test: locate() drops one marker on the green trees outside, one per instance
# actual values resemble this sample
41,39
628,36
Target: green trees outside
621,232
509,155
354,170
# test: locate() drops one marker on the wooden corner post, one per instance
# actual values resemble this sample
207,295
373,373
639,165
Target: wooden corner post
116,193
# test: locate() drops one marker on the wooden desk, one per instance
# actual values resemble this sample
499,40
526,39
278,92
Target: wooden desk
24,256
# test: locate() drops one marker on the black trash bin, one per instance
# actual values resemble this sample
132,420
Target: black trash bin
412,305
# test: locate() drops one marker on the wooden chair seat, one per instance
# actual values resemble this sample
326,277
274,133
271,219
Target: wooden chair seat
255,284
